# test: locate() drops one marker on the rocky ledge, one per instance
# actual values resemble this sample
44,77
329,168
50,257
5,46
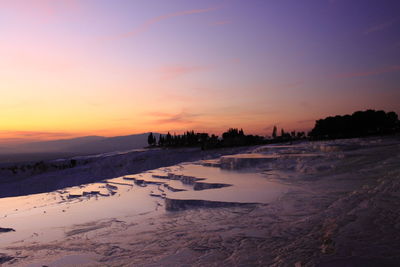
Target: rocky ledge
182,204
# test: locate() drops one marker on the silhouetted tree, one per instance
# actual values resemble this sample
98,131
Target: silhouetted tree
151,139
160,140
274,131
300,135
168,139
360,123
230,138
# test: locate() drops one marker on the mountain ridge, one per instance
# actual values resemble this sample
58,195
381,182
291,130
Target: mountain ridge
80,145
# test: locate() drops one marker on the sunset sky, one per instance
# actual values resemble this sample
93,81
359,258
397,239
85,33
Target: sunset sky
114,67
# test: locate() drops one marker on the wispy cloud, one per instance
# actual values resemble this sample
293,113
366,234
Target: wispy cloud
235,60
392,68
34,134
381,26
174,71
149,23
183,117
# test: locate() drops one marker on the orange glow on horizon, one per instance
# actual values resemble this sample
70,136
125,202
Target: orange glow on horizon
175,68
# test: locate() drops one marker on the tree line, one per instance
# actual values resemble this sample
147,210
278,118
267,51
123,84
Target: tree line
232,137
359,124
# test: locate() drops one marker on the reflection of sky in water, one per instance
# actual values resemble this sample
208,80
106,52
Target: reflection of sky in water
246,187
46,214
42,217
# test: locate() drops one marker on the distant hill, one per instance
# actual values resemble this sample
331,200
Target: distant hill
110,144
62,145
81,145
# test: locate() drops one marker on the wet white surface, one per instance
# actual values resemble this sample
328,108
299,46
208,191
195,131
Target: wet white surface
319,202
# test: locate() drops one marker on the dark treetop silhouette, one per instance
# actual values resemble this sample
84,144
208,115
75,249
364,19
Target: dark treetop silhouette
232,137
359,124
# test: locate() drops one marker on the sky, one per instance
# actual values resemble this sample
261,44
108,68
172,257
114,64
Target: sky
114,67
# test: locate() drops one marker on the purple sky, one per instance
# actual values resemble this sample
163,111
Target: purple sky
117,67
